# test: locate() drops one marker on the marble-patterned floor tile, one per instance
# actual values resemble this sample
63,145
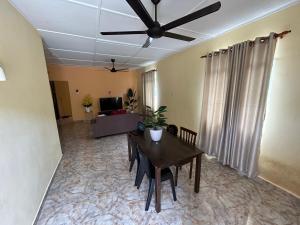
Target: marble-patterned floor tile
92,186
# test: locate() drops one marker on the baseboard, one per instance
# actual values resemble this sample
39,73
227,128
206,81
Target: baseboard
282,188
45,194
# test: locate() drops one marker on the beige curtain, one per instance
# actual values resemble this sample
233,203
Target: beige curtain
234,103
149,89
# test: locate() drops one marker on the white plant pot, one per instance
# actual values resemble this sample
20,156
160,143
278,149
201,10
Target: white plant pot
156,134
88,109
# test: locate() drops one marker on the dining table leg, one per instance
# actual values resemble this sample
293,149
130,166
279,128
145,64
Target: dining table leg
129,146
198,173
157,189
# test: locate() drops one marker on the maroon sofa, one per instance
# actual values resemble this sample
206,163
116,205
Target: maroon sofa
114,124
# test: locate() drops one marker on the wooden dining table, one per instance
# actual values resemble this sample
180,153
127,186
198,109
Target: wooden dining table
169,151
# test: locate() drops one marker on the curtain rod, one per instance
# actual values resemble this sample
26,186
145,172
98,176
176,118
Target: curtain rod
277,35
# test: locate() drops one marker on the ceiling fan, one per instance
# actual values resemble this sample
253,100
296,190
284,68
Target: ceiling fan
155,30
113,69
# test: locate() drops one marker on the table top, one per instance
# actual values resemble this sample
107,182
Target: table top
170,150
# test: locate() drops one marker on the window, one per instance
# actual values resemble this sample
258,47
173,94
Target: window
150,90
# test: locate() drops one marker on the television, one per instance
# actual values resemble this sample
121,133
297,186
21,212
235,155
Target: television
108,104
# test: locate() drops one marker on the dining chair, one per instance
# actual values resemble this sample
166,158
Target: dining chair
132,150
172,129
147,168
189,137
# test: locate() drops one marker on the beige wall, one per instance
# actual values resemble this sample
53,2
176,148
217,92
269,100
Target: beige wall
180,80
97,83
29,143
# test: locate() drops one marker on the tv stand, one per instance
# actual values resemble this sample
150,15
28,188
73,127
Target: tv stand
106,112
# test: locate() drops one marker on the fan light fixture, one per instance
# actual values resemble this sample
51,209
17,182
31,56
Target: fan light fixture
2,74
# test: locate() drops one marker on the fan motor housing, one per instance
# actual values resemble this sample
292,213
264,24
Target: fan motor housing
156,31
155,2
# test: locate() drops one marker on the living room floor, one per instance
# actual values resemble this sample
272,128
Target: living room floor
92,185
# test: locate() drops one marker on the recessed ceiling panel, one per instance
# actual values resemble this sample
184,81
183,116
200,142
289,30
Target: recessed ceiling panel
116,22
67,42
71,28
169,10
232,14
153,53
118,6
138,61
75,62
116,49
71,54
60,15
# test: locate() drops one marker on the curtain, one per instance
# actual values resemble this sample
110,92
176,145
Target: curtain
149,89
234,103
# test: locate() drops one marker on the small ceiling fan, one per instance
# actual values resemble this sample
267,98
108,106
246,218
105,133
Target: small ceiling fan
113,69
155,30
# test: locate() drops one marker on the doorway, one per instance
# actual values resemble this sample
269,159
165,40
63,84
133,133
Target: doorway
61,99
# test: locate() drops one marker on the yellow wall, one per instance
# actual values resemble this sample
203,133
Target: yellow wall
180,81
97,83
29,143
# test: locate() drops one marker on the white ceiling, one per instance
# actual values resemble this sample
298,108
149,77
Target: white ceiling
71,28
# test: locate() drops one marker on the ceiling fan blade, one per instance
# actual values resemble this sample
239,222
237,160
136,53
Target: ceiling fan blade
148,42
141,11
193,16
122,70
178,36
123,32
107,68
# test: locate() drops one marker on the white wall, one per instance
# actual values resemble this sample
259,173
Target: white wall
29,143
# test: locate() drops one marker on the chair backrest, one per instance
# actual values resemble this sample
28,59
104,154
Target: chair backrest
140,127
145,164
172,129
188,136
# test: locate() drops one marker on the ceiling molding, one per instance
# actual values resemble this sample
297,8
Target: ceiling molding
67,34
117,42
91,61
119,13
124,56
195,7
64,50
82,4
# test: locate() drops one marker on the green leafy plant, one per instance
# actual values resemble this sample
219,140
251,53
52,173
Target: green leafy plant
155,119
131,103
87,101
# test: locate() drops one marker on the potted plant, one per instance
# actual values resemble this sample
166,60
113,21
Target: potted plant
156,120
87,103
131,103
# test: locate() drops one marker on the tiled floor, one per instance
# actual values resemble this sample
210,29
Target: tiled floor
93,186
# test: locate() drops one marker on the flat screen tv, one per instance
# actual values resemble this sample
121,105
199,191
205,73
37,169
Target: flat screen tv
114,103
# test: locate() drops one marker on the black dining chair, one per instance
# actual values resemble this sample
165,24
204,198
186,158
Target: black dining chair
189,137
132,150
132,153
147,168
172,129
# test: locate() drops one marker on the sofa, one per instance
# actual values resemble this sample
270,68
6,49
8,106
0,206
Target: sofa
114,124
